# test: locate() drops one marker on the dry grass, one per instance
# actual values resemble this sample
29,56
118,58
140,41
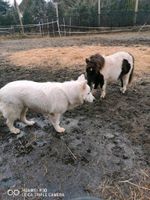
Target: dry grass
137,189
75,56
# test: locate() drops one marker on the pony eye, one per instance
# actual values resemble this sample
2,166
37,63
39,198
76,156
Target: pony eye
91,69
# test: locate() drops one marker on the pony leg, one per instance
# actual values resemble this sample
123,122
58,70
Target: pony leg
24,119
103,93
12,113
10,124
125,83
55,120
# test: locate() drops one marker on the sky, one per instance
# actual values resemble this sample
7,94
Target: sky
12,1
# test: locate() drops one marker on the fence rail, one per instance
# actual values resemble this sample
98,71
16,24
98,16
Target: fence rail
54,29
108,20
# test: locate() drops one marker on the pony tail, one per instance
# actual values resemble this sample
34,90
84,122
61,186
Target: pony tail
131,74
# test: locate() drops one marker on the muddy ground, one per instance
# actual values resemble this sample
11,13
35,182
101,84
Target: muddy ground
106,142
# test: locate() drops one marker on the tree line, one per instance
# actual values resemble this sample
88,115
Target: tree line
81,12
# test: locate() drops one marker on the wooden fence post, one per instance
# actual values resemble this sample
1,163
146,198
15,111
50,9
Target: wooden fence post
99,12
47,27
136,11
70,26
53,28
40,28
64,26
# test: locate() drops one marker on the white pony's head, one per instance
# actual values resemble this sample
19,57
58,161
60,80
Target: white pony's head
85,89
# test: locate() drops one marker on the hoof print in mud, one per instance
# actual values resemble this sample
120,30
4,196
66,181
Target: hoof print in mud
23,147
68,160
84,159
58,135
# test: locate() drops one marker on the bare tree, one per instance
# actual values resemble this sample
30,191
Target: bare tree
19,15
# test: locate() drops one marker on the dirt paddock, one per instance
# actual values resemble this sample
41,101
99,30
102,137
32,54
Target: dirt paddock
105,150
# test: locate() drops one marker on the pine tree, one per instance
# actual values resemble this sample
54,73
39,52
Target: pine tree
4,7
34,11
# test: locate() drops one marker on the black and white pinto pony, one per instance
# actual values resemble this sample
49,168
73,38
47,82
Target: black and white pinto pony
102,69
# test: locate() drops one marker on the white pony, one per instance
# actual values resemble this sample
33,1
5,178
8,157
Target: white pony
102,69
49,98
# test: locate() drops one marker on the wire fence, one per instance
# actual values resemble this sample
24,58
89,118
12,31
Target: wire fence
109,22
49,28
52,30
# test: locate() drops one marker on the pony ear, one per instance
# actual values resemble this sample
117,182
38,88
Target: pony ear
87,60
101,62
81,78
83,85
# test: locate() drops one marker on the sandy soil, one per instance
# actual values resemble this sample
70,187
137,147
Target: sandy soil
105,150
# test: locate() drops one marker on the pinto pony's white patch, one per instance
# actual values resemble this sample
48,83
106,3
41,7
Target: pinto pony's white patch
102,69
49,98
